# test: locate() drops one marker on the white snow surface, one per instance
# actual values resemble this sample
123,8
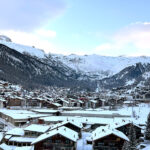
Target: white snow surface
16,131
3,146
81,143
23,48
37,128
97,64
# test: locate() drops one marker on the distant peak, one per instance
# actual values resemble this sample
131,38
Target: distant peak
5,38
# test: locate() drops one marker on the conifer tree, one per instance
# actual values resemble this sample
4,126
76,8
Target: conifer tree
147,132
132,139
125,146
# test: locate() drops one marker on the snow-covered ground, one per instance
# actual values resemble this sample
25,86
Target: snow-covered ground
81,144
141,112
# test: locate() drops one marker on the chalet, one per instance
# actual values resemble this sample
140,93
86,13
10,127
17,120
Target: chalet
69,124
124,127
106,138
2,102
93,104
60,138
33,102
129,103
35,130
63,102
19,117
14,101
101,102
54,105
15,137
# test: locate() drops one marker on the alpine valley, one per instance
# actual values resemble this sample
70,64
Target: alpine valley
31,67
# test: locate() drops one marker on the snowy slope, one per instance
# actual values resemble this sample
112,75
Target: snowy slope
99,66
22,48
93,66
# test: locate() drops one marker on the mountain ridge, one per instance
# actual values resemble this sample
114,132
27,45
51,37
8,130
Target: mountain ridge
36,68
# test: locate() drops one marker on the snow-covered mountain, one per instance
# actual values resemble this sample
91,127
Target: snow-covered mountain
91,66
23,67
21,48
135,75
72,70
98,67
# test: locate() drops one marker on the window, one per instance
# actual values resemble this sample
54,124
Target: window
67,141
58,141
112,144
100,144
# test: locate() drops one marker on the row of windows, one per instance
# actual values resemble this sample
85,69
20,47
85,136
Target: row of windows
49,141
18,144
102,144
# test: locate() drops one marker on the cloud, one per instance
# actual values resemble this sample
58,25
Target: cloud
131,40
39,38
27,15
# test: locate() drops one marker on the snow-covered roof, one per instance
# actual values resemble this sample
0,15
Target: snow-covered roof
128,102
62,99
3,146
1,136
45,110
22,139
15,131
21,114
122,123
24,148
75,123
102,132
64,131
37,128
57,104
2,99
86,120
93,101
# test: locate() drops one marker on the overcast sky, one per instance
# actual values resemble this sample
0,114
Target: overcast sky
104,27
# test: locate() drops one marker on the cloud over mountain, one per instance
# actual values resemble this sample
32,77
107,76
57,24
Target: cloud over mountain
131,40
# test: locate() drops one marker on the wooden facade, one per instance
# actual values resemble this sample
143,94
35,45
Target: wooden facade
125,130
110,142
56,142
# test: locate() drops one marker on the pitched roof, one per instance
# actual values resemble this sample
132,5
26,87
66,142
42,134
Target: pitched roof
15,131
75,123
64,131
123,123
102,132
37,128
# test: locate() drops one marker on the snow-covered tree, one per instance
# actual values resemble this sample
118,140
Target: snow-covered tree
147,132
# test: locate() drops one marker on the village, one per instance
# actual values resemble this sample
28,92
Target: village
59,119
